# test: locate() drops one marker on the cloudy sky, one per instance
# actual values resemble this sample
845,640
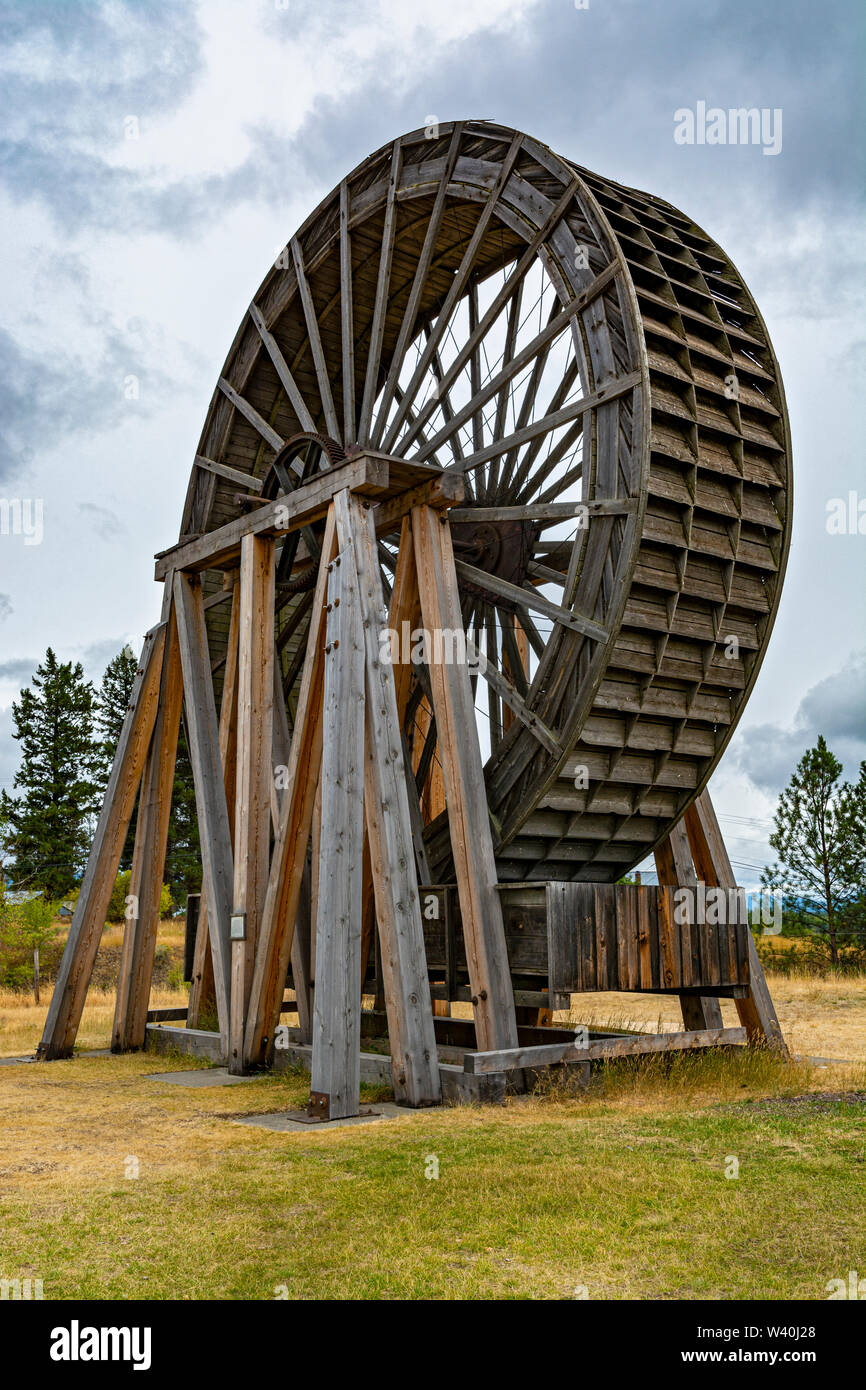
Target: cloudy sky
157,153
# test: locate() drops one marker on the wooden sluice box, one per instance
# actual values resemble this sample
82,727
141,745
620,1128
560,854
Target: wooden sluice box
572,938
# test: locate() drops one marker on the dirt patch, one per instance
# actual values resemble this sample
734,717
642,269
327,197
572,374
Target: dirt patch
817,1103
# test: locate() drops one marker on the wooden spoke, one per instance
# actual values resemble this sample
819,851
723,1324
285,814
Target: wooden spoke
488,319
315,341
410,313
454,293
296,400
506,387
528,598
518,478
250,413
377,327
347,321
508,693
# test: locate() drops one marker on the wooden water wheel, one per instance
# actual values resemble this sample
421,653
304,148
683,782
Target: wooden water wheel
593,364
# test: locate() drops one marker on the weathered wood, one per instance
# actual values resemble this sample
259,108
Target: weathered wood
389,830
300,955
296,399
290,848
255,777
335,1075
202,993
82,942
148,861
315,340
757,1012
600,1049
210,797
676,870
469,824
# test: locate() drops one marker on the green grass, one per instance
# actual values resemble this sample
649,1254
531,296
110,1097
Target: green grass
622,1191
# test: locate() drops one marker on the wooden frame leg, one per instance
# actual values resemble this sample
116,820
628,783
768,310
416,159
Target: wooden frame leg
335,1077
290,850
148,862
303,927
76,967
210,797
756,1012
675,869
389,825
468,817
202,994
254,780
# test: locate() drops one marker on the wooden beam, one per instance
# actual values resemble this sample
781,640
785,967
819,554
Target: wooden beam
202,993
528,598
249,412
290,849
82,943
254,782
347,320
335,1077
389,827
315,341
148,860
301,939
468,816
599,1049
756,1012
231,475
676,870
210,797
281,366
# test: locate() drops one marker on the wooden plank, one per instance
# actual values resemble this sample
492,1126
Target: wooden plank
468,819
202,993
82,943
250,413
255,779
232,475
757,1012
314,337
607,968
528,598
380,304
290,848
347,329
676,870
148,861
389,829
627,938
600,1049
335,1076
210,797
448,490
371,474
303,926
290,386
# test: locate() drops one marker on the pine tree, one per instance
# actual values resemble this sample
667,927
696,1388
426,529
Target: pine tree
183,857
48,824
112,704
820,840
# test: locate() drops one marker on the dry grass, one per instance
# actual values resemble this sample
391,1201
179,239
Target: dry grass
22,1021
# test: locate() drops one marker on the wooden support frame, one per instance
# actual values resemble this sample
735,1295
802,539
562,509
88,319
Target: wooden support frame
148,861
204,751
676,870
336,1078
255,777
468,818
82,943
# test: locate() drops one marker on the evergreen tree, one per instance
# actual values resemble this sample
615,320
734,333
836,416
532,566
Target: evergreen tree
183,857
47,826
820,840
112,705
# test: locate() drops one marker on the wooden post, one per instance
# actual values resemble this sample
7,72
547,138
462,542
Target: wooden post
148,860
254,779
202,994
756,1012
389,827
468,816
675,868
210,797
303,926
290,850
336,1061
82,943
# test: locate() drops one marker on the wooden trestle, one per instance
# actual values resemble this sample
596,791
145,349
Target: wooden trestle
340,780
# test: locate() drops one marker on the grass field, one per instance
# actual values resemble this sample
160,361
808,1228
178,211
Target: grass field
622,1193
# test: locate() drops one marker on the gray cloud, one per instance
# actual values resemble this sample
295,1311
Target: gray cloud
106,523
20,669
5,606
836,707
